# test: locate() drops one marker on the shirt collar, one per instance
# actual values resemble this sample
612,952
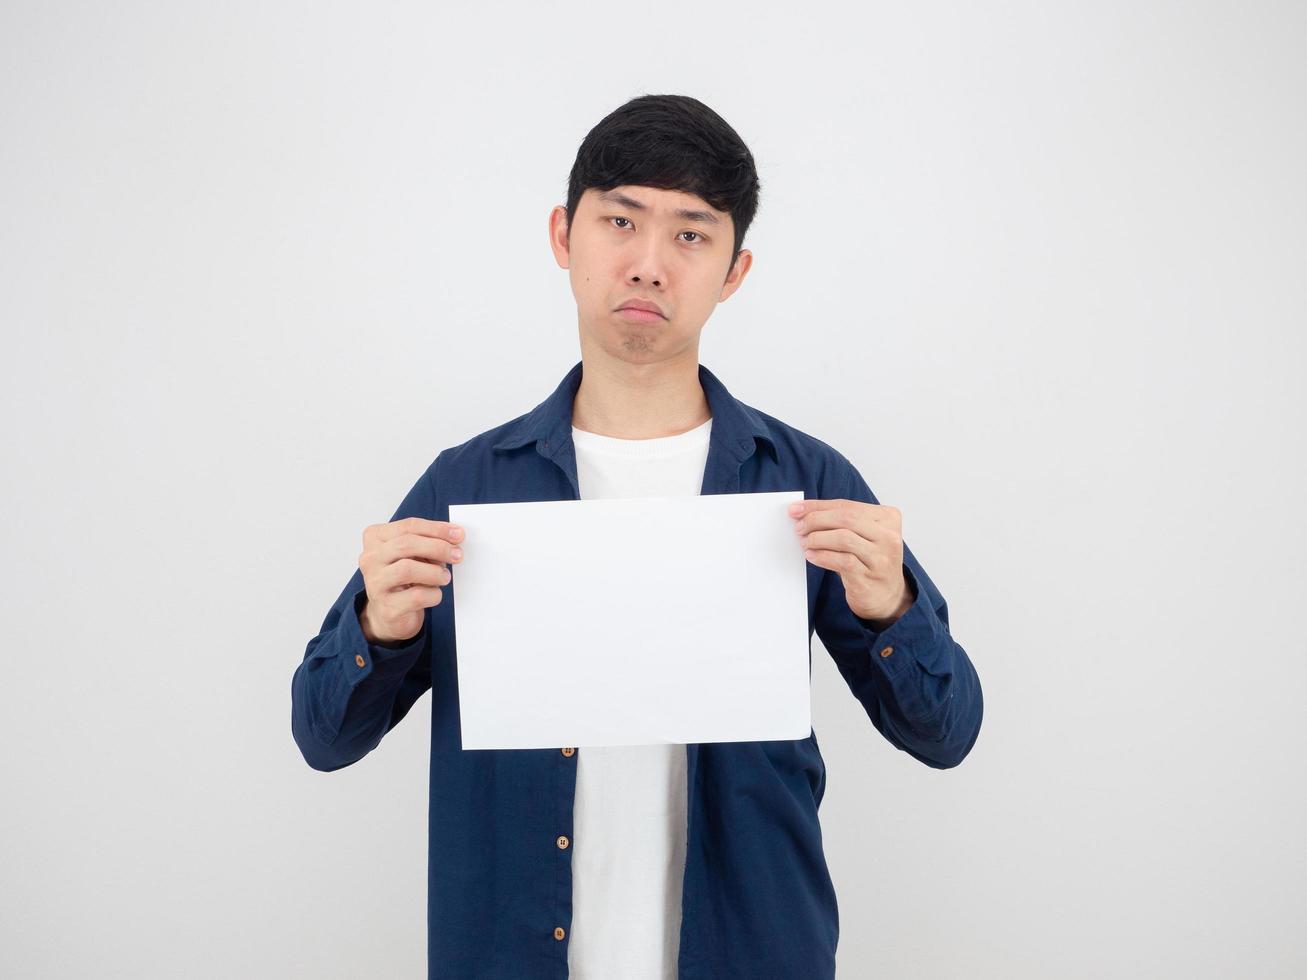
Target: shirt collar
735,425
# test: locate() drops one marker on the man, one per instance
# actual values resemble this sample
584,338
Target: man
703,861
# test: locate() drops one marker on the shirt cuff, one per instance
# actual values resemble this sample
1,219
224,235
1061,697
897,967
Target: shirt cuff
913,636
358,656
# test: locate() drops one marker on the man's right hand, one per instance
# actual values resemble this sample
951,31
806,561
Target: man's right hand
404,564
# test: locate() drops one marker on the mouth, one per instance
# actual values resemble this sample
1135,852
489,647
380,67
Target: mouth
637,315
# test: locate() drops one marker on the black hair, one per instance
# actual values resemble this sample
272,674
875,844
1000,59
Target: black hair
672,142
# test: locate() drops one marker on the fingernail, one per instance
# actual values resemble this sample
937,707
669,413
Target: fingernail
457,552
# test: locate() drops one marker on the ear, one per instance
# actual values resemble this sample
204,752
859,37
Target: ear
560,235
736,273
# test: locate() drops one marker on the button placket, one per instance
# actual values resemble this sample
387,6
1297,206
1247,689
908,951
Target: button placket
563,842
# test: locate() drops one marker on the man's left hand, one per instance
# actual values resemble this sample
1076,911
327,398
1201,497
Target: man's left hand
864,544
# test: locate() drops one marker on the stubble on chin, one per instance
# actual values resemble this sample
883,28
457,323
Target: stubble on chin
638,343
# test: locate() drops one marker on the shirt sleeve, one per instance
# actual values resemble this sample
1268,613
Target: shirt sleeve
348,693
915,681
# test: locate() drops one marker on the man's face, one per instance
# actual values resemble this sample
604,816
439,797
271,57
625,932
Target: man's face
664,247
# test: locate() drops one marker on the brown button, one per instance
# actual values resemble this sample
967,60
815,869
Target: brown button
558,932
887,651
358,659
569,751
562,842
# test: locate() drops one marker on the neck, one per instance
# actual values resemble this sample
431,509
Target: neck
640,401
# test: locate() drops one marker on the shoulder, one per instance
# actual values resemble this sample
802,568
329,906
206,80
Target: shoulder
480,445
814,460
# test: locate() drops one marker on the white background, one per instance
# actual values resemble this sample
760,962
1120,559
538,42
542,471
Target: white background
1035,268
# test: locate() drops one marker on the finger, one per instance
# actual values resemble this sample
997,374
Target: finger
419,525
879,535
417,597
854,514
409,572
801,507
843,541
836,561
414,598
420,546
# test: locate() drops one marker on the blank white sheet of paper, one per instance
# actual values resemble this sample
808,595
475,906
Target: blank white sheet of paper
631,621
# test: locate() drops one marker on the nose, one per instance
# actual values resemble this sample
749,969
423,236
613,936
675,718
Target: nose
647,265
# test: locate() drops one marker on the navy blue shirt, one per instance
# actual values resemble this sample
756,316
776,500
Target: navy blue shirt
757,898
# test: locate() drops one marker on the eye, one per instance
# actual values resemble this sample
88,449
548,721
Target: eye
698,237
620,219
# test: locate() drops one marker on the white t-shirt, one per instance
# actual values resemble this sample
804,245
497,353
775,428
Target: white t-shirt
629,814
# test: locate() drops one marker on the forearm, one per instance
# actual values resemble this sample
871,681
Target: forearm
343,694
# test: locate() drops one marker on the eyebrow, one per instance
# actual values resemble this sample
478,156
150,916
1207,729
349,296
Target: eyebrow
688,214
